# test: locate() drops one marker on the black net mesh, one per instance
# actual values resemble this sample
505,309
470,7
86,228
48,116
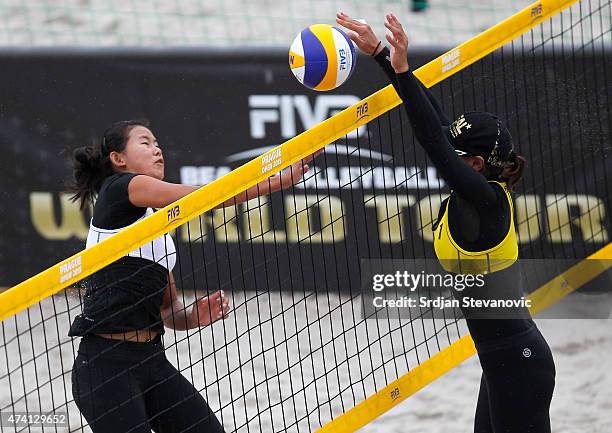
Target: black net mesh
297,350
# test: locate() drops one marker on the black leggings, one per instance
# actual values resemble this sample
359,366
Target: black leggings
517,382
122,386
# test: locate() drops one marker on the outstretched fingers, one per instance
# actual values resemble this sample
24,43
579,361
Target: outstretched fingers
395,22
350,23
399,44
396,31
354,30
392,41
396,41
398,37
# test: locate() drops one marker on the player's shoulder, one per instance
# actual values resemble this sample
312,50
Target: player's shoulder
113,208
503,196
115,188
500,189
117,180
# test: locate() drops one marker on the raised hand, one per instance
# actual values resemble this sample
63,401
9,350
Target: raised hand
293,174
360,33
209,309
399,44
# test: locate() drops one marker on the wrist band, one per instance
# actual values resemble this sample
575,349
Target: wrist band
378,45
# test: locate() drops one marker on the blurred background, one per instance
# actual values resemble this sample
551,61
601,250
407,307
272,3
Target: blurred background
212,76
233,23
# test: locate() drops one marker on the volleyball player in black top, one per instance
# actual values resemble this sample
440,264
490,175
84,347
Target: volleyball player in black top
121,378
475,229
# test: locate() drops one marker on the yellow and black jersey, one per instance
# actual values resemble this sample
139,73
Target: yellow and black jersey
493,249
475,227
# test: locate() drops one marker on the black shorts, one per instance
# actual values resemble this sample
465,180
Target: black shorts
122,386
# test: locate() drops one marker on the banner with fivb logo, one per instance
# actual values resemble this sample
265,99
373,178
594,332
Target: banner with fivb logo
372,194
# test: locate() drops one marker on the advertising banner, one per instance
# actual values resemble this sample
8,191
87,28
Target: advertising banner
370,195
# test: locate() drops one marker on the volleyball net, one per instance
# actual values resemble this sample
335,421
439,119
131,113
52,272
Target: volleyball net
299,351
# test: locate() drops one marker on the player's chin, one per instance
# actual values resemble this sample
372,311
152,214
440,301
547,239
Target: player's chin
157,171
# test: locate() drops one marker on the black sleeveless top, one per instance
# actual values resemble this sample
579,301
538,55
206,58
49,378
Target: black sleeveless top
127,294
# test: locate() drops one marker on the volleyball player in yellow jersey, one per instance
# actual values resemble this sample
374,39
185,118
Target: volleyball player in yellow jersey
121,378
475,234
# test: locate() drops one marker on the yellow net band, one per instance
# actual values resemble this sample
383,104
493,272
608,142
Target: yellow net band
85,263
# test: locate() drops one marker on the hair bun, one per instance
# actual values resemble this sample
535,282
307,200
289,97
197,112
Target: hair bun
86,156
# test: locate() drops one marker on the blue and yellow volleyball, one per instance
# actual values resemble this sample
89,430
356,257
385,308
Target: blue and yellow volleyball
322,57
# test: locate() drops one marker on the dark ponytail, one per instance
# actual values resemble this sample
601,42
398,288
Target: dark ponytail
89,169
512,170
91,165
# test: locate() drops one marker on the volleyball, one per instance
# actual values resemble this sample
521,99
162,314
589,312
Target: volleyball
322,57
